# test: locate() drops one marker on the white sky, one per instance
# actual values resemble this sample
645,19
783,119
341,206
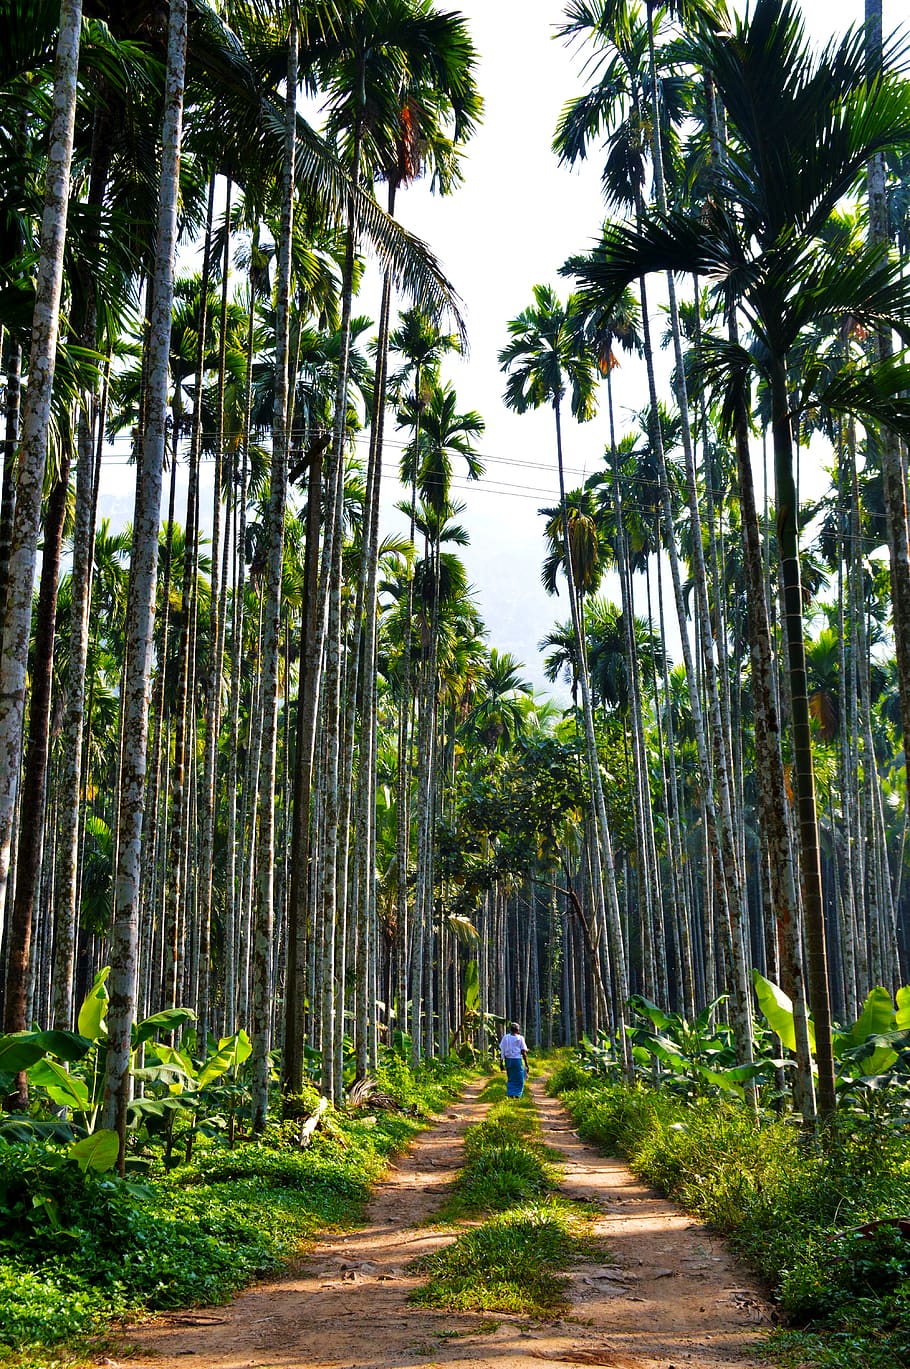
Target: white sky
510,225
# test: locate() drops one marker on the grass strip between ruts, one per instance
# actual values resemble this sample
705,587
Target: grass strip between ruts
515,1260
505,1161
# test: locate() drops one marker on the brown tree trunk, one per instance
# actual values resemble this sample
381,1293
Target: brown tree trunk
810,862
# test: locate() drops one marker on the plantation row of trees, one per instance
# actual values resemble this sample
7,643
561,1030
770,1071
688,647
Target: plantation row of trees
181,795
258,757
763,185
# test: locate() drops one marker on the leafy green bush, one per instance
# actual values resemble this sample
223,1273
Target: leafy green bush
78,1247
789,1206
76,1244
570,1074
423,1090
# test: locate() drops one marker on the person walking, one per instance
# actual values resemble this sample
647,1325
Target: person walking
513,1050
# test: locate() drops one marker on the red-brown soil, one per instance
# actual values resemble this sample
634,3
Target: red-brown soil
670,1296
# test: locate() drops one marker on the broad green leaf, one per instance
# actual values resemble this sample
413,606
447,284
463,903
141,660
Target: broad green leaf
231,1052
650,1010
98,1151
720,1079
171,1019
91,1014
877,1016
880,1061
146,1107
244,1047
67,1046
777,1008
27,1129
903,1009
20,1050
66,1090
176,1061
875,1055
663,1048
704,1017
471,987
161,1074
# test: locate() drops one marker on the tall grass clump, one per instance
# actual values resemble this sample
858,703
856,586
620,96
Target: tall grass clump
505,1162
512,1263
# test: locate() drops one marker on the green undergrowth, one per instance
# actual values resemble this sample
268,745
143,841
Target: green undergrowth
513,1262
505,1161
80,1250
789,1207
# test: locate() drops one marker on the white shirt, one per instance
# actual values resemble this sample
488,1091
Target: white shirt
511,1047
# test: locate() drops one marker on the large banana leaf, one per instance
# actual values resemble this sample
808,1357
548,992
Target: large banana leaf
66,1090
98,1151
777,1008
231,1052
94,1009
19,1050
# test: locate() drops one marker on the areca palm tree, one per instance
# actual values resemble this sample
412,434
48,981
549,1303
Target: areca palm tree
801,129
142,599
547,364
585,544
500,715
36,418
445,435
612,24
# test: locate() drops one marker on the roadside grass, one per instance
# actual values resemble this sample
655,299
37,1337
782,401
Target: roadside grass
80,1251
505,1161
790,1209
513,1262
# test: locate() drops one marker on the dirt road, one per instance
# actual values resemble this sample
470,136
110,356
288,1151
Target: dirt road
671,1298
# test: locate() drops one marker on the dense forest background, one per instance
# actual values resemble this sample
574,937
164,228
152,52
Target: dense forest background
265,782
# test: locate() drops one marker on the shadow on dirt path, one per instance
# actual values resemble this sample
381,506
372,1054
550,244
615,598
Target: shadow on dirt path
673,1295
673,1299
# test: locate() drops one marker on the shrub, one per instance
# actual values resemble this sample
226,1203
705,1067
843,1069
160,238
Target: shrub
787,1205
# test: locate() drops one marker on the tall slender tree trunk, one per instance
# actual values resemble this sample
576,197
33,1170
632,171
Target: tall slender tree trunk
366,814
300,927
73,730
11,406
141,606
265,911
792,611
233,884
34,780
36,419
176,902
70,778
772,795
606,899
894,478
213,711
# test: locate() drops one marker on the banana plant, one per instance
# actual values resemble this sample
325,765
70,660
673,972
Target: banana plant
698,1054
186,1086
47,1059
876,1043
